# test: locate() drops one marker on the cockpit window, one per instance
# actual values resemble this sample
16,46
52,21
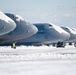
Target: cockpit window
50,25
16,17
73,29
13,16
66,28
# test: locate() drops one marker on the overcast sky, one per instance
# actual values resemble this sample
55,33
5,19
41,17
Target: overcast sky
59,12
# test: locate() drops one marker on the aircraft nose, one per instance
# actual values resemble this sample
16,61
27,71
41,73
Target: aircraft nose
6,24
65,36
11,25
31,30
34,29
7,27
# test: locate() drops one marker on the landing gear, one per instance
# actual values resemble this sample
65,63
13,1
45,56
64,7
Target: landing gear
60,44
70,43
75,44
13,45
47,45
54,44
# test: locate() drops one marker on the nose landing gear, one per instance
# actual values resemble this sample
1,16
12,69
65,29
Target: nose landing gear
13,45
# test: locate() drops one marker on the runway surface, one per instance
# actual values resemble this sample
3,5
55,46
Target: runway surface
42,53
38,60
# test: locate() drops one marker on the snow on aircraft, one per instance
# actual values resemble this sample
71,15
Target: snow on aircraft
6,24
47,34
74,29
23,30
72,32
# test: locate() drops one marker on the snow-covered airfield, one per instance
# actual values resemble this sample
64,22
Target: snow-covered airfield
41,60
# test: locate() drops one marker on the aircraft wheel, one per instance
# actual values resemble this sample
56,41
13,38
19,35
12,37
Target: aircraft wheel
60,44
47,44
54,44
70,43
13,45
74,44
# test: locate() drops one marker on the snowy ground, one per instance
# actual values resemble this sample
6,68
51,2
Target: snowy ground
38,60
